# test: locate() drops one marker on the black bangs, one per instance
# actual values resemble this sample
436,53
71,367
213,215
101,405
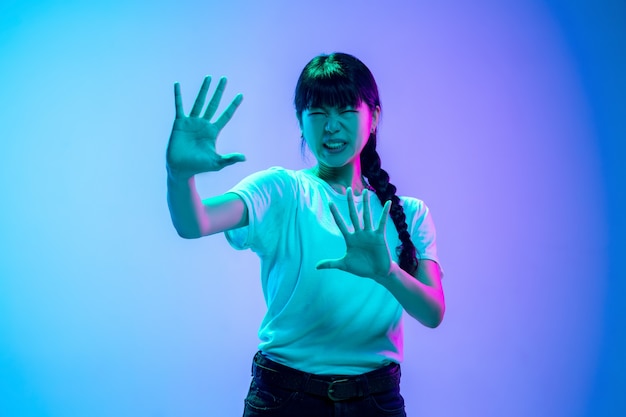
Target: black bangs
335,80
335,90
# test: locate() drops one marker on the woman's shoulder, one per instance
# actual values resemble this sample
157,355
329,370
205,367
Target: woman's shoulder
413,205
417,213
275,174
273,171
300,178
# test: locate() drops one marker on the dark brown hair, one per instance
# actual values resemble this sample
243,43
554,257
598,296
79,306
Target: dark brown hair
341,80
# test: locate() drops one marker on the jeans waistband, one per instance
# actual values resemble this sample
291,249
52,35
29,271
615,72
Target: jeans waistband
334,387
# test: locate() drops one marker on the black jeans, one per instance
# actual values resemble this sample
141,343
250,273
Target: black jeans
280,391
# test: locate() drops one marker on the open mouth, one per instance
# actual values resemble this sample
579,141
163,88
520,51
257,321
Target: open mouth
335,145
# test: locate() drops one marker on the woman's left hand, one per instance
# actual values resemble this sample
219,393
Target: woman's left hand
367,254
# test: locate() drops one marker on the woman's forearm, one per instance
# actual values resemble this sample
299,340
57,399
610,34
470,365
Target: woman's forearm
186,208
424,302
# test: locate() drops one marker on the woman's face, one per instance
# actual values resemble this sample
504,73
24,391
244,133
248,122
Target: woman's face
336,136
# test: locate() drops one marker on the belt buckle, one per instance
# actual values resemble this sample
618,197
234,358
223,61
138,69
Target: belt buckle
331,390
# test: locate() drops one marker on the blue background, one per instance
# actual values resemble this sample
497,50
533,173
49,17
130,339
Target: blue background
506,117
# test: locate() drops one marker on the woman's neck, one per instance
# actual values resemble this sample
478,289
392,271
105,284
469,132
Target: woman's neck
342,177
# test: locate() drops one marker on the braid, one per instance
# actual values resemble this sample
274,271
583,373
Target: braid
379,180
340,80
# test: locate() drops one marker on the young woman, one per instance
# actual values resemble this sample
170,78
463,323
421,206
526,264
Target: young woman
341,254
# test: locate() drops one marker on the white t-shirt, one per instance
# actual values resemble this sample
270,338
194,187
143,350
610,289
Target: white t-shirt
321,321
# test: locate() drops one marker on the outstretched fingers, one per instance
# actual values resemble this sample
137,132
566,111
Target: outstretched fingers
178,101
341,224
367,213
215,100
228,113
213,103
354,217
232,158
331,264
199,103
382,221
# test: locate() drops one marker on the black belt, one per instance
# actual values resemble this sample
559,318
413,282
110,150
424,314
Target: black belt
337,388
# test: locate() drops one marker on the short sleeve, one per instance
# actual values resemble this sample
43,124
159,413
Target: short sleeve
267,195
422,227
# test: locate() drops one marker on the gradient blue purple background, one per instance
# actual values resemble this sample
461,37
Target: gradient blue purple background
506,117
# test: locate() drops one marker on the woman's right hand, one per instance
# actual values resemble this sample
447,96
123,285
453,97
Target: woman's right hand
191,149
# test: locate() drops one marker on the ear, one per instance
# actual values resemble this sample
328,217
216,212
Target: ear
375,118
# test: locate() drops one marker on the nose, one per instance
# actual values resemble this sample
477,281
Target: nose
332,125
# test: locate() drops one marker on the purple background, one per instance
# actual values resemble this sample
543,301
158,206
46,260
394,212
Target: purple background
506,117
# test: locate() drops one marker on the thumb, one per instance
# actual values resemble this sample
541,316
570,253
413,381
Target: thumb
232,158
330,264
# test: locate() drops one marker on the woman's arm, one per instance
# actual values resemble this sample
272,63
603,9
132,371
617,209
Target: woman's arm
367,255
421,296
194,218
192,150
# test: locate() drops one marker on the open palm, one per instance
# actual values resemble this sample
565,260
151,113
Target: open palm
192,145
367,253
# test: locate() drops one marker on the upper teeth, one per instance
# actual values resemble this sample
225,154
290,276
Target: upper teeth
334,144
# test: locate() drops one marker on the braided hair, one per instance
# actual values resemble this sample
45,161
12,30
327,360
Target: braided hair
341,80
